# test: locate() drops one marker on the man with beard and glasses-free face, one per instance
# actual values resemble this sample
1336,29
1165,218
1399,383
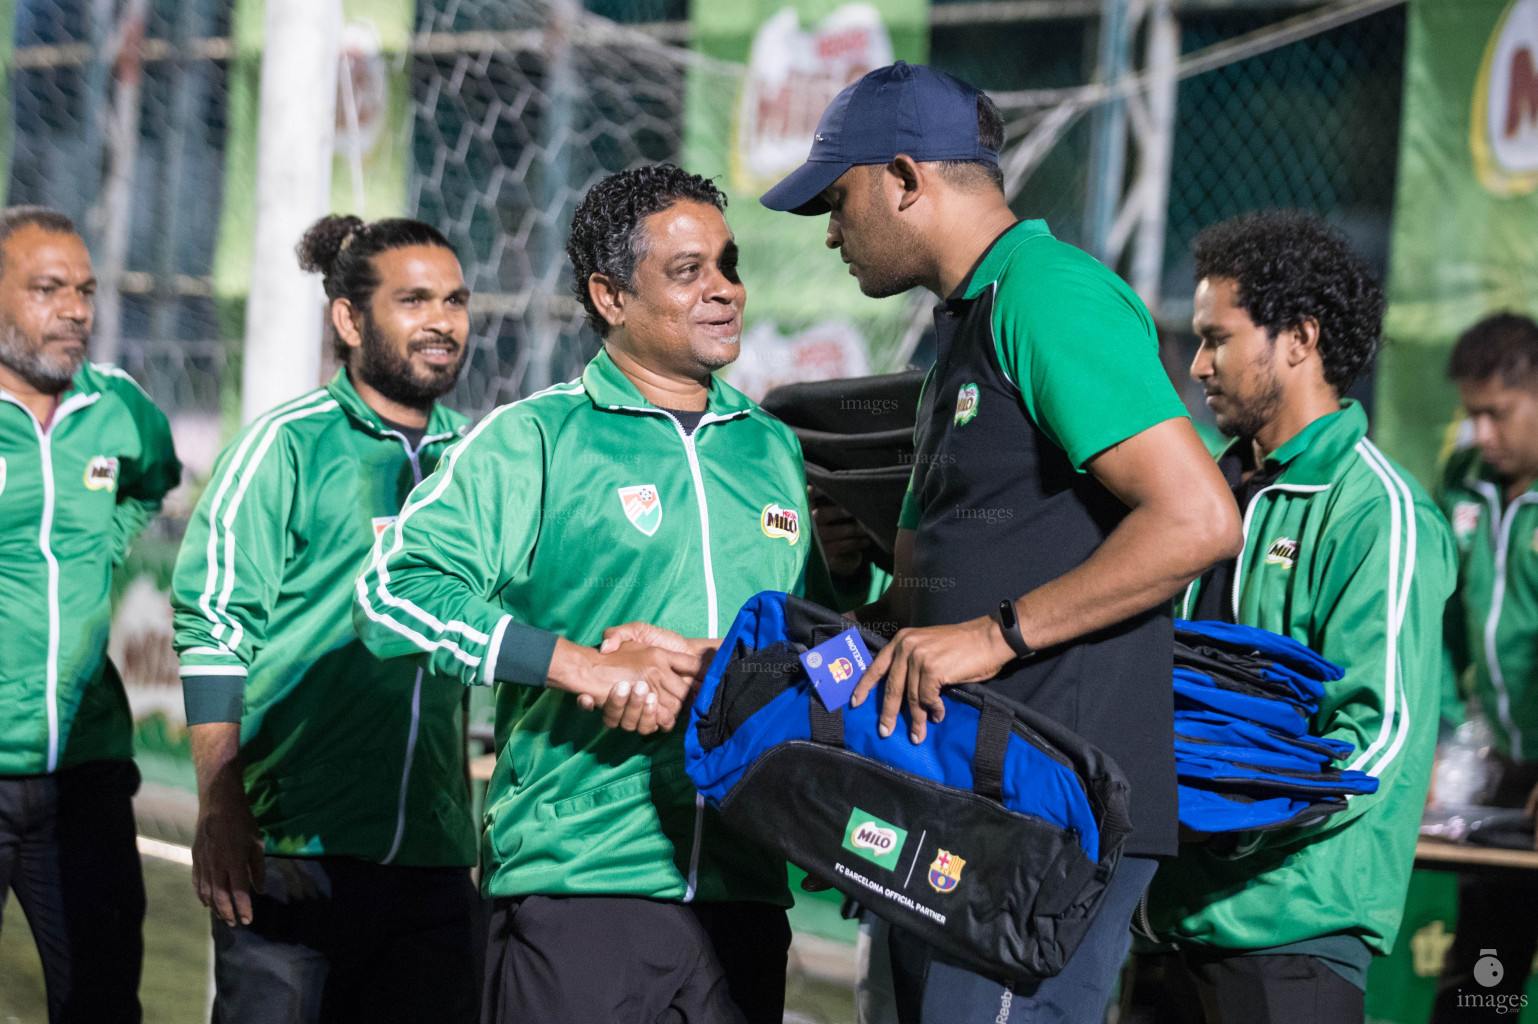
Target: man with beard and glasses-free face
335,832
85,459
646,490
1059,498
1489,493
1344,553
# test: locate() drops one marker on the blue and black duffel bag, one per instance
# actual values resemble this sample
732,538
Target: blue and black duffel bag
993,839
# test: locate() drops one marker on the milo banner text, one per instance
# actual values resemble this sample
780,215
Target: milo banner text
753,105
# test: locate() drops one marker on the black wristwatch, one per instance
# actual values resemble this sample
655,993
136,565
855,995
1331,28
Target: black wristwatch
1009,625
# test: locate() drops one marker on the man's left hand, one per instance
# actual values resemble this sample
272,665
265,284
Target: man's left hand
918,662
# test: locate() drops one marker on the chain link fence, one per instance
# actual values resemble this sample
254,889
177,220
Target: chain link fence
123,119
516,108
505,142
1314,125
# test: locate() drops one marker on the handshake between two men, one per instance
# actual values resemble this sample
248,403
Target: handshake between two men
642,678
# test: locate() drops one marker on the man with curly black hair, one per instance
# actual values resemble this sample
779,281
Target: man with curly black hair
1345,553
647,493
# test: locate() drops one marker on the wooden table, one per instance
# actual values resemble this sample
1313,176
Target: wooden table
1436,855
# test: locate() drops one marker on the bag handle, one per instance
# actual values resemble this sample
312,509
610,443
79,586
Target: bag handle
993,729
827,726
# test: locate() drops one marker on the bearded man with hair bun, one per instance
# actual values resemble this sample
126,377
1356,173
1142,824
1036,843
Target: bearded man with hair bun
335,834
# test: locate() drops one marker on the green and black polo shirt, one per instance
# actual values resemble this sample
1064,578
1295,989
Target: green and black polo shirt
1044,359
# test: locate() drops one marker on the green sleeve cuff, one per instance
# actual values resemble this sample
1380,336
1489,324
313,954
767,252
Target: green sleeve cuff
213,698
523,654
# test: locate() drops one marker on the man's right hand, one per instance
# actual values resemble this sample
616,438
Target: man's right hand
227,865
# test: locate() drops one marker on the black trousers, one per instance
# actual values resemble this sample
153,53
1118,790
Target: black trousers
68,851
1496,911
1282,989
629,960
336,939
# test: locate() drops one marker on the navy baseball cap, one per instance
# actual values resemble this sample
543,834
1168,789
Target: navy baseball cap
901,108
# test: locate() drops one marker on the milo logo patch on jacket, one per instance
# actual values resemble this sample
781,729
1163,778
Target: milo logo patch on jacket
101,473
779,521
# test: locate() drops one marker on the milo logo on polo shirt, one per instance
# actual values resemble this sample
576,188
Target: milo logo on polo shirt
101,473
778,521
877,841
966,404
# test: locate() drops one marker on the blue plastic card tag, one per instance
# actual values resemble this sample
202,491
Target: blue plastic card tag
836,666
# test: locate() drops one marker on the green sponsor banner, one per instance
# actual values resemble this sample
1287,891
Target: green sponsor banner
373,126
751,108
1466,211
877,841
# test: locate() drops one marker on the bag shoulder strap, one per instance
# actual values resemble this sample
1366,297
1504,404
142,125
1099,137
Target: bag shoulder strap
827,726
993,728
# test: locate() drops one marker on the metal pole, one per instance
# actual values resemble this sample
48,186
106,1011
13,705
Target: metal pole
1108,139
1155,145
188,88
117,190
547,256
94,113
284,313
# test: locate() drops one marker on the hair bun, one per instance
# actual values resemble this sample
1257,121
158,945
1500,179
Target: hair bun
320,245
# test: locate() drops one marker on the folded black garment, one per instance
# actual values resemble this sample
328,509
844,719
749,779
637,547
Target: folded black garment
1255,675
856,437
873,496
851,406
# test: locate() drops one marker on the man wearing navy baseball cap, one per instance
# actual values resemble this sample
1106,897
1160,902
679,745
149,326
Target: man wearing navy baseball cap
1058,488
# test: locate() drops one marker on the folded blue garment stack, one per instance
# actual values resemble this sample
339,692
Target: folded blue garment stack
1245,699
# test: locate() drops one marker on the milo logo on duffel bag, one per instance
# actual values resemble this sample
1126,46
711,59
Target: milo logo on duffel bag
875,840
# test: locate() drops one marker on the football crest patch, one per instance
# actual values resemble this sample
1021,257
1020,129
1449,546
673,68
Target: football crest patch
643,507
101,473
945,871
778,521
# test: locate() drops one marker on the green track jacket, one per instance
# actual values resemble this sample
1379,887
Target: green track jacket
72,497
1346,554
1493,620
579,508
344,754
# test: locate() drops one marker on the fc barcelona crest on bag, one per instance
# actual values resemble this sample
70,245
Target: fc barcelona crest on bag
945,871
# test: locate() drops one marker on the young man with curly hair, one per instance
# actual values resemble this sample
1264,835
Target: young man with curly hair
1346,554
646,490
